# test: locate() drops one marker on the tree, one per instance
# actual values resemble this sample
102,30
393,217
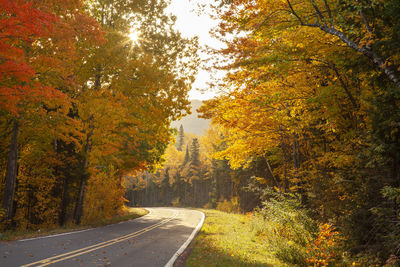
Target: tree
165,188
359,25
146,82
300,103
181,137
187,156
195,153
82,105
36,65
22,24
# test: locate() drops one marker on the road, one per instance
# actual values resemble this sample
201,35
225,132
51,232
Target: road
148,241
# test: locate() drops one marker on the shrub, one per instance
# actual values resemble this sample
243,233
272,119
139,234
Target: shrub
104,197
231,206
387,225
324,250
284,226
288,230
208,205
176,202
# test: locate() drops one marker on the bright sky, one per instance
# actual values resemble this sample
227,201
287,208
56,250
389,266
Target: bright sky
190,24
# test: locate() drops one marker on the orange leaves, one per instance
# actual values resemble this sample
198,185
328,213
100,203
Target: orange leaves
324,251
91,32
11,97
20,71
290,97
23,24
24,20
97,107
104,195
36,54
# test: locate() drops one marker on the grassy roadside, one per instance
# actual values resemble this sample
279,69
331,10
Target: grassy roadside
226,240
131,213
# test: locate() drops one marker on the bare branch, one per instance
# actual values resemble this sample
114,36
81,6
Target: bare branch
317,18
294,13
318,12
328,9
344,85
376,59
364,18
298,17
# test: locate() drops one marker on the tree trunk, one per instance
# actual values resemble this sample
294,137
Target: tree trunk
294,152
64,203
272,174
285,180
376,59
391,72
185,193
11,174
78,212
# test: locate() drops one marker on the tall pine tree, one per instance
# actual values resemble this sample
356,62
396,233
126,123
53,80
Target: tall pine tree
187,156
181,137
195,152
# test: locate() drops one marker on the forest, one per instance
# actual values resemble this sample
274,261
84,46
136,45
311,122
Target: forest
83,103
305,134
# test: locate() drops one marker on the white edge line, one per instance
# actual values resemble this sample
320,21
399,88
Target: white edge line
149,210
47,236
171,262
80,231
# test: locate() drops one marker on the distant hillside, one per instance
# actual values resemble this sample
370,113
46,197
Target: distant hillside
191,123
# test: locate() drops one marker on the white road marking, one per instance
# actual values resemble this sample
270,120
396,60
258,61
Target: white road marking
75,232
150,211
48,236
170,263
85,250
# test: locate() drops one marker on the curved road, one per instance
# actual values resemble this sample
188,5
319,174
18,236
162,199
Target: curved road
151,240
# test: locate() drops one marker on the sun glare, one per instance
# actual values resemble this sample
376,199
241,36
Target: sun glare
134,36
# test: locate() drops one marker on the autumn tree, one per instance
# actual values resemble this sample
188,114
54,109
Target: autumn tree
143,77
302,91
360,25
182,180
90,104
21,26
36,91
165,188
180,138
195,152
187,156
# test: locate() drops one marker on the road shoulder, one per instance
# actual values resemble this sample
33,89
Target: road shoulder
133,213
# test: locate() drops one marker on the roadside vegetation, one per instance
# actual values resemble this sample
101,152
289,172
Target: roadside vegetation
126,215
281,233
227,239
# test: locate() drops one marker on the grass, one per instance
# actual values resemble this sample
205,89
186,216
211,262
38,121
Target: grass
227,239
131,213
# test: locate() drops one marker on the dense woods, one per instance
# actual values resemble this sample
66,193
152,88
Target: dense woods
313,92
82,103
306,128
193,176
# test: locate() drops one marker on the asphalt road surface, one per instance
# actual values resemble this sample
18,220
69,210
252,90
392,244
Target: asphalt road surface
148,241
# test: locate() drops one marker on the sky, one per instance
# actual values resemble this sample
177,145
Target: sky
190,24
